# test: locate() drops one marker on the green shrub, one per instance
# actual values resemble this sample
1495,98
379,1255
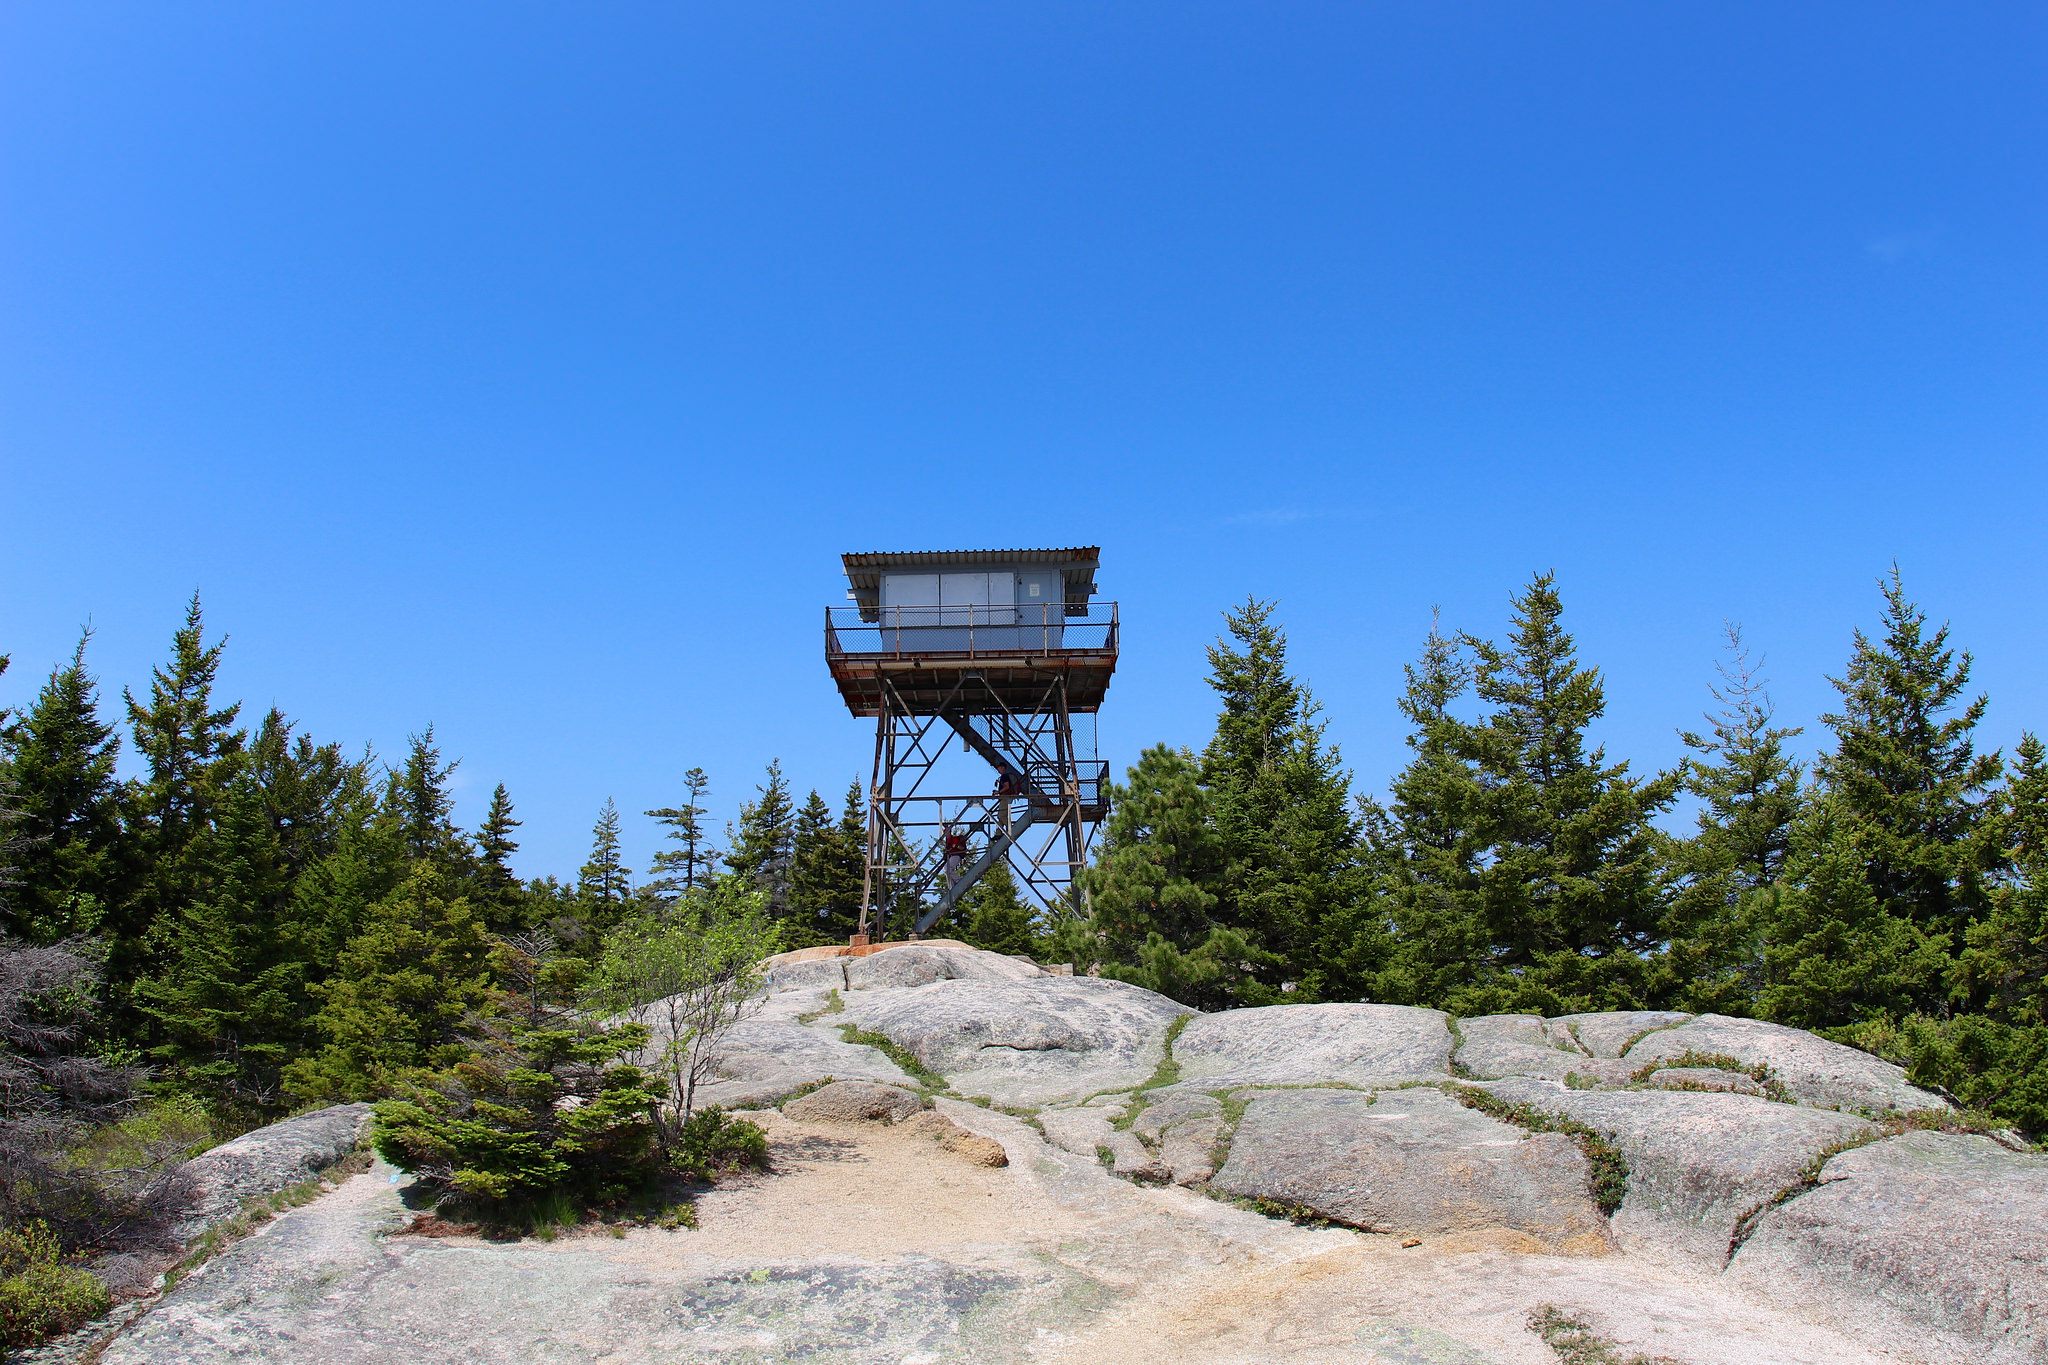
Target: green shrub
496,1136
39,1296
714,1144
1983,1063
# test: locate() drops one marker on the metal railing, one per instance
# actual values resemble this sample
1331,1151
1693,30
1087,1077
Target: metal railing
969,631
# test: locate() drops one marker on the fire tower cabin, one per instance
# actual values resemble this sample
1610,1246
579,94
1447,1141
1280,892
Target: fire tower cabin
987,654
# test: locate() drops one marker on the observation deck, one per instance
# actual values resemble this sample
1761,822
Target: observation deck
1010,653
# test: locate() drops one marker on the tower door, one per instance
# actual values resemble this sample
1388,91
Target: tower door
1041,609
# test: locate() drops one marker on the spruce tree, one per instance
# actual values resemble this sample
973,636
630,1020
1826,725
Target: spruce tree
995,916
419,797
308,790
229,1002
1831,954
498,893
67,800
820,890
1751,794
1417,934
1992,1052
403,988
604,883
191,754
1574,886
1281,800
1906,774
762,847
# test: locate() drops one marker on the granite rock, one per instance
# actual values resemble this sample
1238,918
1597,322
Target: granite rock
1928,1230
1698,1164
1414,1161
1362,1045
1813,1070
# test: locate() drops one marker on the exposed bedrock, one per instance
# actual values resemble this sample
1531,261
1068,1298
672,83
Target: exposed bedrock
1414,1161
1697,1163
1041,1040
1363,1045
266,1161
1813,1069
1927,1230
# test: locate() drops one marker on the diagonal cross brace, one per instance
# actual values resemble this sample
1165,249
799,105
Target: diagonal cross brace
997,847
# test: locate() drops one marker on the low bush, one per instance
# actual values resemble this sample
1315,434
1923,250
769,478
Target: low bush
40,1296
714,1144
536,1116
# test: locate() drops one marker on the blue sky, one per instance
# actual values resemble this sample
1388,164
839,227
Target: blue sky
523,369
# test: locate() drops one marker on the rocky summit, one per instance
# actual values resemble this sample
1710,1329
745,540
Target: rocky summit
979,1160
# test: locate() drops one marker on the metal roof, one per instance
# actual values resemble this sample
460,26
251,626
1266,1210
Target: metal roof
1077,565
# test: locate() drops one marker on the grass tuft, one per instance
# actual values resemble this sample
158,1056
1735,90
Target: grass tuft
1575,1342
833,1005
1607,1173
903,1057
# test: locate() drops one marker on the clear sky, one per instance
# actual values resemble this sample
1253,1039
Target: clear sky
523,369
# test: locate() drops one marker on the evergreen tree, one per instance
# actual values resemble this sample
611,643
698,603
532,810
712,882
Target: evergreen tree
763,846
1153,894
67,799
229,1003
12,843
825,867
604,884
2004,968
1281,800
191,755
1416,937
401,992
1906,774
1573,887
420,799
498,891
682,871
308,790
1831,955
995,916
1751,794
332,898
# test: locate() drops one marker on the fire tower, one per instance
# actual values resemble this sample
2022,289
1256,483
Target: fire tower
965,655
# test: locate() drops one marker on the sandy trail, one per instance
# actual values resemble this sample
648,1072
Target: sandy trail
871,1245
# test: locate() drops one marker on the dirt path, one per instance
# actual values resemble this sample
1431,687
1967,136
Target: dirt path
871,1246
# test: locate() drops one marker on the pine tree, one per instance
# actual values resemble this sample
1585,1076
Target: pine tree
229,1003
604,883
400,995
1573,888
1906,773
762,848
1281,800
682,871
67,800
192,755
1153,894
498,894
995,916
